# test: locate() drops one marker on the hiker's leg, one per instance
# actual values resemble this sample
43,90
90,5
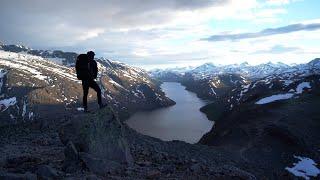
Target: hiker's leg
85,88
96,87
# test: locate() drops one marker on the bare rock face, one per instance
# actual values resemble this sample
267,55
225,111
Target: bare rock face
99,139
13,176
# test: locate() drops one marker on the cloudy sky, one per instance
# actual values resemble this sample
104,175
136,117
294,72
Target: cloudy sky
163,33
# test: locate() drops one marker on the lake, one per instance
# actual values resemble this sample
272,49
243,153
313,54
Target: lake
183,121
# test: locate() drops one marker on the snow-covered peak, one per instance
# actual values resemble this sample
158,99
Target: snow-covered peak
205,67
315,63
14,48
244,64
282,64
270,65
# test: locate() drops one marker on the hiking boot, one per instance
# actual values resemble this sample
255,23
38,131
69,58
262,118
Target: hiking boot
102,106
86,110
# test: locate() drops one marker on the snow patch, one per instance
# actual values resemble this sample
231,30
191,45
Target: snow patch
302,86
213,91
37,74
24,109
287,82
2,74
57,60
80,109
271,85
12,117
245,89
140,92
291,90
289,95
275,98
305,168
108,96
115,83
30,115
6,103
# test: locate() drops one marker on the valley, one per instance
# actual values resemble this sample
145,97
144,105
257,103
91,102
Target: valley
160,90
265,120
182,121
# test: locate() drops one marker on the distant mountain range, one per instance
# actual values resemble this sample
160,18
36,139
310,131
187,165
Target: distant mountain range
208,70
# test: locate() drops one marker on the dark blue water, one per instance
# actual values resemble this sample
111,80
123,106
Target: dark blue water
182,121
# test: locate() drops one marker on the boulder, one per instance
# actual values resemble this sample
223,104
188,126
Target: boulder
72,161
196,168
99,139
46,171
100,166
153,174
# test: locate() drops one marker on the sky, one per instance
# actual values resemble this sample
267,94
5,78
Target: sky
168,33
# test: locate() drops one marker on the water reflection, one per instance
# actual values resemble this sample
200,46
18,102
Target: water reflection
182,121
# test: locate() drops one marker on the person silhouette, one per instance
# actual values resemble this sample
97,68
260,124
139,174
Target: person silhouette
87,71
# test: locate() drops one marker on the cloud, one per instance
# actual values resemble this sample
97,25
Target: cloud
148,32
279,2
91,34
24,17
278,49
266,32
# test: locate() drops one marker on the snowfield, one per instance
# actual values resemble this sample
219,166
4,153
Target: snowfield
299,90
275,98
35,65
305,168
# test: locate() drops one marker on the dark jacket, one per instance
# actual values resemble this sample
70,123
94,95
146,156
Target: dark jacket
93,69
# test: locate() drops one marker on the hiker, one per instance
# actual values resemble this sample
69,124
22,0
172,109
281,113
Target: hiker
87,71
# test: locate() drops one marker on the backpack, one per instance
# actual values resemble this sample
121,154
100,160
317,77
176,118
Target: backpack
93,69
82,67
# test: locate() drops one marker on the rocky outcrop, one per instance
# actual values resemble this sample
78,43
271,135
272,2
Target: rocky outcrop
268,134
99,142
98,145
